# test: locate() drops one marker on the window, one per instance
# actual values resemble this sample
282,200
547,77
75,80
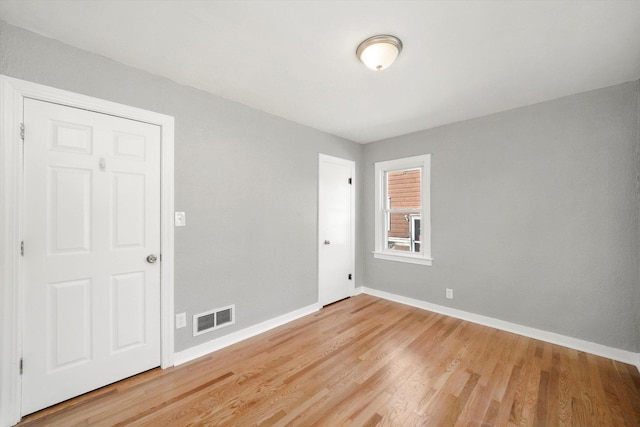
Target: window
403,223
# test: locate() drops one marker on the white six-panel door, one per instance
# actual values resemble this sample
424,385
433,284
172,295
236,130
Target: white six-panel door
335,229
92,217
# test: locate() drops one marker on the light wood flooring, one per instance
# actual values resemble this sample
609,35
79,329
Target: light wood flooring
366,361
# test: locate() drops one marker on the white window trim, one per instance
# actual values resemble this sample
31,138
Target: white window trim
381,251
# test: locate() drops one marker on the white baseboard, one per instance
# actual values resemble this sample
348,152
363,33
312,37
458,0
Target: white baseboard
227,340
551,337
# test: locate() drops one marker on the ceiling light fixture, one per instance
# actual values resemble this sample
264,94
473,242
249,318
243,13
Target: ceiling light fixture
378,52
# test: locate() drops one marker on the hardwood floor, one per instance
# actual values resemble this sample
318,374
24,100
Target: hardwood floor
364,362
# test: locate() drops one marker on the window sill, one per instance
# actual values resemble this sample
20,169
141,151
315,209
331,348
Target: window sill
403,258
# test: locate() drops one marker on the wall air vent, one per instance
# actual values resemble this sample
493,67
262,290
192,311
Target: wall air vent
213,319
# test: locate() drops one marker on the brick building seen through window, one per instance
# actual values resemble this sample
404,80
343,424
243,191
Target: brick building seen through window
403,198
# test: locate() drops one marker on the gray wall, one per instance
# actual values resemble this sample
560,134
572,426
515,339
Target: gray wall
535,216
246,179
534,211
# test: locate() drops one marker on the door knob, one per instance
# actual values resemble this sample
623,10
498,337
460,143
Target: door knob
152,258
327,242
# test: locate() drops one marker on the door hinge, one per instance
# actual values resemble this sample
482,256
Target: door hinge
21,366
22,248
22,131
350,278
350,180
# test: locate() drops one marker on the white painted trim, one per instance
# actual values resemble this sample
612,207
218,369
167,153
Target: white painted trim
352,168
408,258
12,94
380,218
10,261
235,337
551,337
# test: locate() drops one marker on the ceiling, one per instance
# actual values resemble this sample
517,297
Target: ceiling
296,59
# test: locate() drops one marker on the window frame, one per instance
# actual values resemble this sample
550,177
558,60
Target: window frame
381,247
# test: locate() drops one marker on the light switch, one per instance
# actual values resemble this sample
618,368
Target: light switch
181,219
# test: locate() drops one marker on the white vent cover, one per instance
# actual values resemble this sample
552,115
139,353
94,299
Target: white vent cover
214,319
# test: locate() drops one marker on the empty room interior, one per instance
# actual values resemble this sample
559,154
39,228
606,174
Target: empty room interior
319,213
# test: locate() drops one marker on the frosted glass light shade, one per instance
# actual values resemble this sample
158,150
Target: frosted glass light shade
378,52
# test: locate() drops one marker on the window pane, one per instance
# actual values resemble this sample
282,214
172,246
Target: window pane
403,189
404,232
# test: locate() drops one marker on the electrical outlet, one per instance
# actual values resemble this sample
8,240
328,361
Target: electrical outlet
180,219
449,293
181,320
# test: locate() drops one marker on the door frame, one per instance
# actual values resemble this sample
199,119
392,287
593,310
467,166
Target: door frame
12,94
324,158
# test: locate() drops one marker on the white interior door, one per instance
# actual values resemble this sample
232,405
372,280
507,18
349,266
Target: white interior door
91,219
336,222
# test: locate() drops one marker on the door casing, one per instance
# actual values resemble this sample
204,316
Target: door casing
12,94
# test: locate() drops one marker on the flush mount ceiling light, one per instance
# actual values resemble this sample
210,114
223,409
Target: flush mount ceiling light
378,52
